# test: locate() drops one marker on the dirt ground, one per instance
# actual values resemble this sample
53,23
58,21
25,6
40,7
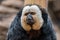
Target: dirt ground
3,33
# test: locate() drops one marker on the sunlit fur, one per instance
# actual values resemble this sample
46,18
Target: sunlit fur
37,18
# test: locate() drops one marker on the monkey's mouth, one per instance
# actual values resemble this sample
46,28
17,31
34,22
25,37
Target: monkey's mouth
30,22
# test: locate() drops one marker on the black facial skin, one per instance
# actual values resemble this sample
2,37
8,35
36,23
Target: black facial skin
29,19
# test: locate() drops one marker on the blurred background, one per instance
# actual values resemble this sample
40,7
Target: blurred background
9,9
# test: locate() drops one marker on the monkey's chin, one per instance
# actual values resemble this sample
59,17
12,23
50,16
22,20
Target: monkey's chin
35,27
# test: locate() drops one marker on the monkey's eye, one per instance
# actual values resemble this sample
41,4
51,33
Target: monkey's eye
26,14
33,13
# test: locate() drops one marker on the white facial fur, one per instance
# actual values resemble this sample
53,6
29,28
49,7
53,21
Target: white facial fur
39,20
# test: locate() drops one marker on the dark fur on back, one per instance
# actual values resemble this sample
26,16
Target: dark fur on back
16,32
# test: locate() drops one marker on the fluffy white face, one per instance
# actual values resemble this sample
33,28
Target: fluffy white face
37,18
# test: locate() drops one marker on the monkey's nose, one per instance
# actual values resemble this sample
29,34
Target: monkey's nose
29,19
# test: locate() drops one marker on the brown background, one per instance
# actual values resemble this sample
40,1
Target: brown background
9,9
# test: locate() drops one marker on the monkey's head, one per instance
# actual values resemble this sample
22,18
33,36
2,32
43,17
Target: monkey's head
31,18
